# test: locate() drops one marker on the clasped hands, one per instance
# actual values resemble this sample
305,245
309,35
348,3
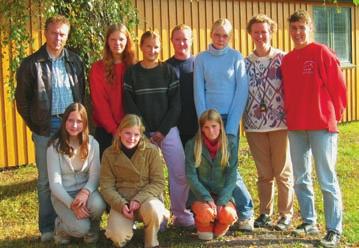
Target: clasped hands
215,208
128,210
79,204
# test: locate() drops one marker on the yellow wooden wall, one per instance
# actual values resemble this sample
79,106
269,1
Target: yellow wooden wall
16,147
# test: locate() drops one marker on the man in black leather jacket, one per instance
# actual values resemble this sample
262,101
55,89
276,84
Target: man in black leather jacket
47,82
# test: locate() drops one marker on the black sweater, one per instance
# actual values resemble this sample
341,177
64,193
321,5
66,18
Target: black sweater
153,94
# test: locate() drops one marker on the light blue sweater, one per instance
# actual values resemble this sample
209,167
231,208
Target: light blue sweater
221,83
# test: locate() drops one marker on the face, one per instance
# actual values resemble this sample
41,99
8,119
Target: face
211,129
261,34
117,42
182,41
56,36
130,136
151,49
300,33
220,37
74,124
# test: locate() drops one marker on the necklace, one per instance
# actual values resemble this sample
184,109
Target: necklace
258,82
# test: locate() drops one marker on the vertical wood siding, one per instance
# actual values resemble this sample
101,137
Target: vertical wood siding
16,147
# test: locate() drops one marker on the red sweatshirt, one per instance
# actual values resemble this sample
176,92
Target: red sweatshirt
106,98
314,88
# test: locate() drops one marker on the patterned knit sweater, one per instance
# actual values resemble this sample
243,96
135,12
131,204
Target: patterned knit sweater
265,108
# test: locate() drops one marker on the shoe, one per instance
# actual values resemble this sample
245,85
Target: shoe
283,224
47,236
263,221
246,225
61,237
205,235
331,239
306,229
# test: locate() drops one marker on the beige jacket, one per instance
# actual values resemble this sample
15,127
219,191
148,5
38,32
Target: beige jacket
123,179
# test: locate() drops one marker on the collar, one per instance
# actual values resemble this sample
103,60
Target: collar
217,52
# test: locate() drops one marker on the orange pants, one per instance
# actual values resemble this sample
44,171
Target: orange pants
208,220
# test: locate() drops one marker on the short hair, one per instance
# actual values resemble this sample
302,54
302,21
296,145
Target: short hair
262,18
57,19
223,22
181,27
149,34
300,15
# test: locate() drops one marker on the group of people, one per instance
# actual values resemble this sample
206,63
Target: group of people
183,113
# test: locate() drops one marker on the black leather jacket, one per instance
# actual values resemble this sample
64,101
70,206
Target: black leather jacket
33,91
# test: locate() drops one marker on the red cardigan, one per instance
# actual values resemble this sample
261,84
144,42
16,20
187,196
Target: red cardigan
107,98
314,88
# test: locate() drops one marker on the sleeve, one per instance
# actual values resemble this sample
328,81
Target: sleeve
196,187
100,101
108,185
174,101
157,182
55,176
230,177
23,92
240,98
199,86
94,166
335,83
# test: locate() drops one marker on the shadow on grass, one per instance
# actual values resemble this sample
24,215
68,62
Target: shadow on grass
15,189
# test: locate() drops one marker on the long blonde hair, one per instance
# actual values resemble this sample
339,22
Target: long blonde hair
130,120
211,115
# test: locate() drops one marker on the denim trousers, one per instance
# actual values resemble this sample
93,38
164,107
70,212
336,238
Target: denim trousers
242,198
47,213
323,146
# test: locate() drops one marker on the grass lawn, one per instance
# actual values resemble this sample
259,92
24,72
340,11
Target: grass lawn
18,208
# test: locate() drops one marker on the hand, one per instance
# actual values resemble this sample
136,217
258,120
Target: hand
219,209
134,205
213,206
157,138
127,212
80,212
81,198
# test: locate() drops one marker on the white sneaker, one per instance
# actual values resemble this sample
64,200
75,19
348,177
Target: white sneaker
205,235
47,236
246,225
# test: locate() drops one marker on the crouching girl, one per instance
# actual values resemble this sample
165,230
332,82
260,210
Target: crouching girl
74,170
211,165
132,183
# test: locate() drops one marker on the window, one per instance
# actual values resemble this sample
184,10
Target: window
332,27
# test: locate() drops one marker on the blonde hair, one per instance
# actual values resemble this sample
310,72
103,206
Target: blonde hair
211,115
181,27
130,120
128,55
59,19
262,18
222,22
149,34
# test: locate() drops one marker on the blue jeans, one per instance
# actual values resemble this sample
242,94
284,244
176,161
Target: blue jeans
47,213
242,198
323,146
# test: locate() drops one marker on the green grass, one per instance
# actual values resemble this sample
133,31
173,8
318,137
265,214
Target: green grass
18,208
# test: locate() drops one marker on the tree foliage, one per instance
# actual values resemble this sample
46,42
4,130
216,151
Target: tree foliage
88,18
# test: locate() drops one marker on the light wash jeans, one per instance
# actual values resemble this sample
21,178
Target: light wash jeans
47,213
323,146
242,198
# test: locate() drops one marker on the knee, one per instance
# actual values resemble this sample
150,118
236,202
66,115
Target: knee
153,210
80,228
227,215
203,212
96,205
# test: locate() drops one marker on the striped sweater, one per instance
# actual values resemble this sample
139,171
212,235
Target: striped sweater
153,94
